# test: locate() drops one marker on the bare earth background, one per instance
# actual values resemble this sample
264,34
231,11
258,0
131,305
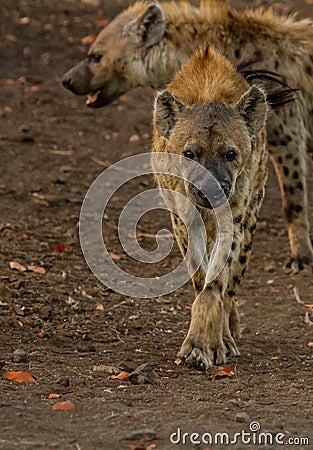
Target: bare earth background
66,323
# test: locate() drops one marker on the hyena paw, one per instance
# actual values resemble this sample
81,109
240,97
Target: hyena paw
199,357
296,264
234,323
231,346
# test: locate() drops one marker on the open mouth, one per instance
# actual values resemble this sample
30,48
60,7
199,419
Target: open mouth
92,98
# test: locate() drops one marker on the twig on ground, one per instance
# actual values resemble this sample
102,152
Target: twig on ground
309,313
297,295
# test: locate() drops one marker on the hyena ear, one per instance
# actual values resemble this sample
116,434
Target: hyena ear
253,108
166,111
149,27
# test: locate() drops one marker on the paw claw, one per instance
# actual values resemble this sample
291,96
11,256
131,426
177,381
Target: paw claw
297,264
194,356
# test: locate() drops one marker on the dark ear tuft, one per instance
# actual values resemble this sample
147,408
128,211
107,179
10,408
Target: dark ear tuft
166,112
278,92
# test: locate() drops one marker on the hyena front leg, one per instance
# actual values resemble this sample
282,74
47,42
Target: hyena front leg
196,267
204,345
288,152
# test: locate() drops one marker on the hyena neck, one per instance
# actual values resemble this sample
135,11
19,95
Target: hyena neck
187,28
162,62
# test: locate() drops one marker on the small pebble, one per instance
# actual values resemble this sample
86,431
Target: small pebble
60,179
270,267
242,417
144,374
64,381
19,356
45,312
134,138
145,435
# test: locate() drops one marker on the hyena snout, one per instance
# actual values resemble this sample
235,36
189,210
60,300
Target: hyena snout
78,78
210,193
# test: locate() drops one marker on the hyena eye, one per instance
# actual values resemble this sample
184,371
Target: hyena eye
231,155
94,57
189,154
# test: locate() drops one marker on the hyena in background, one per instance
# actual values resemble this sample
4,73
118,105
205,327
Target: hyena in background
147,43
211,115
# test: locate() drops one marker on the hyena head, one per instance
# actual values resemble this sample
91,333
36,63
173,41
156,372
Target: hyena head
217,136
116,60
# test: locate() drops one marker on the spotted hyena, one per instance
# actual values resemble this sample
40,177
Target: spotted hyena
147,43
211,116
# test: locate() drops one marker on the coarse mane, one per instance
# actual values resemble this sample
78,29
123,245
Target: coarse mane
183,17
208,77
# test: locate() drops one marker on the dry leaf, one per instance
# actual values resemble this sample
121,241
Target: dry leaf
48,26
310,344
20,376
178,361
123,376
114,256
35,88
88,39
53,396
59,248
100,307
24,236
69,390
17,266
36,269
64,406
223,372
24,20
101,22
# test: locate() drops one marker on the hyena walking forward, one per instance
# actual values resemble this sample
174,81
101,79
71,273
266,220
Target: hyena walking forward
210,115
147,43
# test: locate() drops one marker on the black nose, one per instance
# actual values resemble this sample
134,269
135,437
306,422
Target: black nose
67,81
225,185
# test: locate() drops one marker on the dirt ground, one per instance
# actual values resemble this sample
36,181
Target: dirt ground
68,328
